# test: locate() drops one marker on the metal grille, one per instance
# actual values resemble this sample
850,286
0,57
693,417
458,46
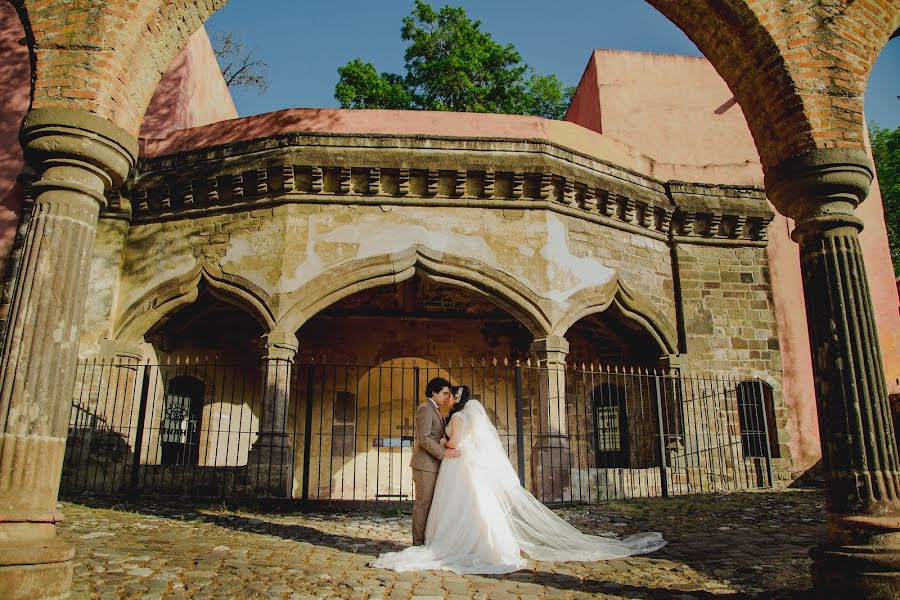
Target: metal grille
344,433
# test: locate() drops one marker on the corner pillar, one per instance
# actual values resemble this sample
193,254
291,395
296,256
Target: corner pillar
860,557
271,458
78,157
550,456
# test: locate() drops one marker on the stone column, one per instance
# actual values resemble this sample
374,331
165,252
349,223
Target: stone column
550,456
861,556
271,460
77,156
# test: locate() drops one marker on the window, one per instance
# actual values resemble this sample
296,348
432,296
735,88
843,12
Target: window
756,417
610,426
343,433
179,433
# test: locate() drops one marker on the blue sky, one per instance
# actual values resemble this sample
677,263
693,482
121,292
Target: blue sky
304,42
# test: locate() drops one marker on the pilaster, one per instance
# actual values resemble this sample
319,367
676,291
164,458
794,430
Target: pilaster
550,456
271,458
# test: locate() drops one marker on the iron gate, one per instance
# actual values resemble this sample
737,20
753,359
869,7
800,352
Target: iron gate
335,434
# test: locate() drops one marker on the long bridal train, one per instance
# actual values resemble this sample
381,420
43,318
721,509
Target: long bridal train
482,520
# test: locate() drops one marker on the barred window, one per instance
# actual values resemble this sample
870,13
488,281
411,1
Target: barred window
610,426
756,417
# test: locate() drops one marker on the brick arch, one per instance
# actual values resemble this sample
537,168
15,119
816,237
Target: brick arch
106,57
730,35
798,74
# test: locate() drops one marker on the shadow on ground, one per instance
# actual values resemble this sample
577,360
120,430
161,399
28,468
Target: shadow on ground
750,545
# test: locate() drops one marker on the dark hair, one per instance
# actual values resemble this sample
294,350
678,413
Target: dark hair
463,398
435,385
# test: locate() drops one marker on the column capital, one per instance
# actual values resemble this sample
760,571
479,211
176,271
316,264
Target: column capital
820,189
545,346
280,344
674,361
121,350
62,137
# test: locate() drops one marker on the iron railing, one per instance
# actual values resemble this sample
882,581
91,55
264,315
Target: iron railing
338,434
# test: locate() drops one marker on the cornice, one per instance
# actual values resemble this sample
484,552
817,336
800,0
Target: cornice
444,172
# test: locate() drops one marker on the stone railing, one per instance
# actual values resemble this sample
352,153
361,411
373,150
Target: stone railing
473,173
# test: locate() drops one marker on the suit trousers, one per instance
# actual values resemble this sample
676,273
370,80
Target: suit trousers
425,482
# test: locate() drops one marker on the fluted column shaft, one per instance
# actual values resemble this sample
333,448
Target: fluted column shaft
78,157
859,448
861,556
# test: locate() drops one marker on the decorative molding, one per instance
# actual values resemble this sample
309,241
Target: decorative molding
683,212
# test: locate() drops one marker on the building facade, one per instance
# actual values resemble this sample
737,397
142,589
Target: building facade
636,236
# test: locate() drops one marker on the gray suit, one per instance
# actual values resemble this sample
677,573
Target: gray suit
425,462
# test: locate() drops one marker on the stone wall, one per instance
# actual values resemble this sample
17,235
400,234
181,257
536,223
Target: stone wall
730,325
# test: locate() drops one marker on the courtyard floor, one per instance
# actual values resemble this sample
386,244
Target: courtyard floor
742,545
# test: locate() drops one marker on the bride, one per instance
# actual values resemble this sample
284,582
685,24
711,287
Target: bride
482,520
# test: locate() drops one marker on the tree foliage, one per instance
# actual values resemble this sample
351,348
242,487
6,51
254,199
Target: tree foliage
886,151
239,66
451,64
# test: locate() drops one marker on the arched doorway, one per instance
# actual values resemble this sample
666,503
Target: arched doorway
616,401
206,386
365,361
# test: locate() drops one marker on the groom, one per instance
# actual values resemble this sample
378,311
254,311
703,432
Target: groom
428,453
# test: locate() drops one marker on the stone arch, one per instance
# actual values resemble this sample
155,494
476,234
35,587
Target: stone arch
165,298
337,283
629,303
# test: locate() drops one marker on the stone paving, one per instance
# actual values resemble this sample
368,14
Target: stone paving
747,545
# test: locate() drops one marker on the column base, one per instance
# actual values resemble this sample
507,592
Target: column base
551,468
270,467
859,572
30,570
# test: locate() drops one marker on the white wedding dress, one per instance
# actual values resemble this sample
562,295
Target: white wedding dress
482,520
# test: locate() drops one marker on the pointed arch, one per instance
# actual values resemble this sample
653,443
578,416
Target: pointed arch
459,271
180,291
629,303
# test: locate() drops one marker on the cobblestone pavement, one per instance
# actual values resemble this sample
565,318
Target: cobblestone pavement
747,545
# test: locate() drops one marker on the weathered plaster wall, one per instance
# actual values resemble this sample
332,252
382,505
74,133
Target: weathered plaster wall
281,249
106,269
646,261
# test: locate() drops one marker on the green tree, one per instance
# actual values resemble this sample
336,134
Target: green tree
361,86
452,65
886,151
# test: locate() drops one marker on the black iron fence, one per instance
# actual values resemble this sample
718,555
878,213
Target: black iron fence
335,434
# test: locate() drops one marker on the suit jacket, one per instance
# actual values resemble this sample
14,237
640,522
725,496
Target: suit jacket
427,450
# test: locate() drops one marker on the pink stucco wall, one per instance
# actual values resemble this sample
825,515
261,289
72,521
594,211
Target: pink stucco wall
15,78
192,93
676,109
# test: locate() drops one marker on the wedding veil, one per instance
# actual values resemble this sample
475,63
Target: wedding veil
539,531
